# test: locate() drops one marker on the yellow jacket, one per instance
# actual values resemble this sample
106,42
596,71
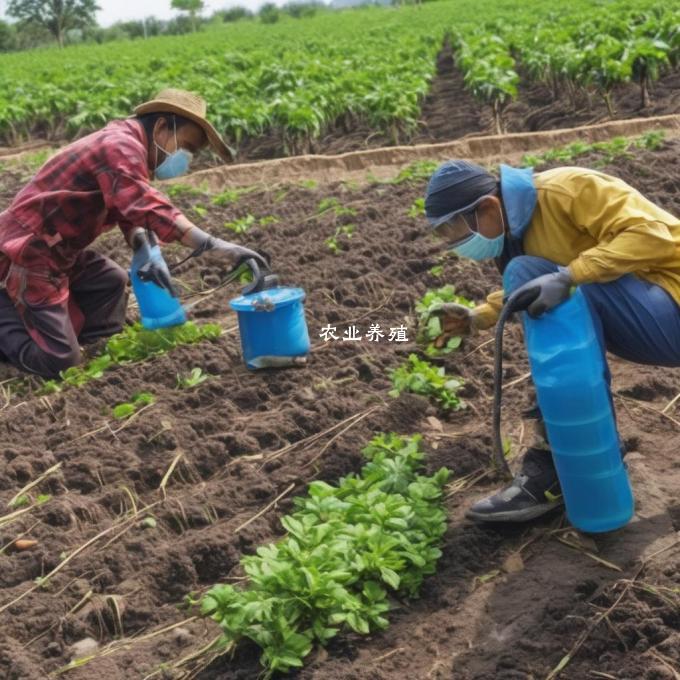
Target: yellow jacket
601,228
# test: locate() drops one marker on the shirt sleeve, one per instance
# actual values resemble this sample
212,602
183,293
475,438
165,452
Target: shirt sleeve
123,179
630,237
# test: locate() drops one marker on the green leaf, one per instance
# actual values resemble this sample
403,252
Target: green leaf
124,410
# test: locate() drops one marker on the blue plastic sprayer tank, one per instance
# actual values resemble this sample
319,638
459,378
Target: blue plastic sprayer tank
157,307
568,370
272,326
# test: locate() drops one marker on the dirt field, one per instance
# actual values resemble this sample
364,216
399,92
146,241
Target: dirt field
506,603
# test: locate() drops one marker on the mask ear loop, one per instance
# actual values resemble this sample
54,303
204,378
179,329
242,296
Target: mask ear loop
156,145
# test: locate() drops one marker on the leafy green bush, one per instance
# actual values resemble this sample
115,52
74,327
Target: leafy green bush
421,377
347,546
430,327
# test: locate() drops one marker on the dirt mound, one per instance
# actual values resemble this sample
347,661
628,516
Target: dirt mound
223,460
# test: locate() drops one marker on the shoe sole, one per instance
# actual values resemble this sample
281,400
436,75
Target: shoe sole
514,515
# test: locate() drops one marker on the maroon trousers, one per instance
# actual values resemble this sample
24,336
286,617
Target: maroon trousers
95,309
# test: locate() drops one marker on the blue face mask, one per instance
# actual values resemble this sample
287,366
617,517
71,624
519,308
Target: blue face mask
478,247
176,163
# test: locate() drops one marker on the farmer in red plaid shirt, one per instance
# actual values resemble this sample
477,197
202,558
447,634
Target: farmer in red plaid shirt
55,293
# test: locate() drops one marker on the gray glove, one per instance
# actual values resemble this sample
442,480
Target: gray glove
550,290
236,253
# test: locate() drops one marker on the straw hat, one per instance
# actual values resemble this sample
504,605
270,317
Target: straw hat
190,106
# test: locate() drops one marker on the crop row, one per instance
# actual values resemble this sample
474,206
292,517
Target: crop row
300,80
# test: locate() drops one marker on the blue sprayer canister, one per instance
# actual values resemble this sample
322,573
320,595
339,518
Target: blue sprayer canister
158,308
568,370
273,327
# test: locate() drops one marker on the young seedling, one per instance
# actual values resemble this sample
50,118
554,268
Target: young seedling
430,325
243,224
134,343
230,196
417,208
333,243
196,377
421,377
178,189
128,408
415,172
334,205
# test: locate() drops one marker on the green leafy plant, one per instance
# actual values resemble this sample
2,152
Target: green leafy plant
334,205
421,377
346,548
417,208
134,343
415,172
609,150
243,224
200,210
195,377
333,243
430,326
128,408
178,189
229,196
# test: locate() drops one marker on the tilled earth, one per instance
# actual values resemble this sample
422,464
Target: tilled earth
506,603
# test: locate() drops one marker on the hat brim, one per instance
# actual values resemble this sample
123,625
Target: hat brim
224,151
438,221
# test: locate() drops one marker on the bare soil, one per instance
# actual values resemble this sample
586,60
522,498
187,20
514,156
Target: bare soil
484,614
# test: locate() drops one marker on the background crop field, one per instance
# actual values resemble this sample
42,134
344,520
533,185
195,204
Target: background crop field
300,81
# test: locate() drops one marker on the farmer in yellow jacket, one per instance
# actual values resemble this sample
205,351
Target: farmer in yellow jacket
561,228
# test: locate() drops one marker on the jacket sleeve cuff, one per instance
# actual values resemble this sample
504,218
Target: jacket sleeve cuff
578,272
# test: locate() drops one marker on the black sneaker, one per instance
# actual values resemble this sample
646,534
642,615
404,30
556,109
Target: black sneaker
534,491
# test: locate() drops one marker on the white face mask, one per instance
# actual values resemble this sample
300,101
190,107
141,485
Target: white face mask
175,163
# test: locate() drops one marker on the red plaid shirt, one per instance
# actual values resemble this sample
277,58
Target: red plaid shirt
84,190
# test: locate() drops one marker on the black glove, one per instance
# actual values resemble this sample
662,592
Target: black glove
550,290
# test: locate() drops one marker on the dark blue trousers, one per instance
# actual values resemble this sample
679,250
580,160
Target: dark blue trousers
634,319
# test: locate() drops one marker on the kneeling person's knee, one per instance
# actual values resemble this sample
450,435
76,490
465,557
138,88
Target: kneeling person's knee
48,365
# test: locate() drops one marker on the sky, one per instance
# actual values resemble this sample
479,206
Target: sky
123,10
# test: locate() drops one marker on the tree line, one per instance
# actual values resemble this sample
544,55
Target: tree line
39,23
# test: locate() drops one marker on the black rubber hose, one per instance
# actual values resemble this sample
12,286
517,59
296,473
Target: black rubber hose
519,300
